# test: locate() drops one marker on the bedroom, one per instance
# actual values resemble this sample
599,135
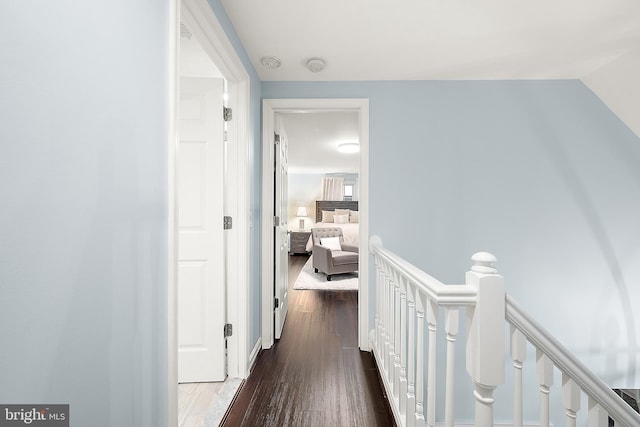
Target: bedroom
322,184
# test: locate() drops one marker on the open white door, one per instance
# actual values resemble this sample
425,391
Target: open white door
201,287
281,237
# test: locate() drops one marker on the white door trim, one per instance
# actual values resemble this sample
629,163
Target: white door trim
172,219
269,109
201,20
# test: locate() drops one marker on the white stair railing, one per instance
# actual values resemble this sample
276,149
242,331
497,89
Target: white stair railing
408,304
576,378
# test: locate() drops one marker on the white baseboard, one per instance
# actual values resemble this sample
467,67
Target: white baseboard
254,354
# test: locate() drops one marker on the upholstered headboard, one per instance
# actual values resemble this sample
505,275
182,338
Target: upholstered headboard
331,205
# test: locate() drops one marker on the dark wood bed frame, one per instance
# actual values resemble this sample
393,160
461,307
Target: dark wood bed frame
331,205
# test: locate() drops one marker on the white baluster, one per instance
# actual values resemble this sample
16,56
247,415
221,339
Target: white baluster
378,312
411,355
420,310
387,326
432,319
390,327
451,327
486,336
396,335
380,301
380,298
379,279
570,399
544,370
402,397
518,355
598,417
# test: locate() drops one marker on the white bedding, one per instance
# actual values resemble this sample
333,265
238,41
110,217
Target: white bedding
349,232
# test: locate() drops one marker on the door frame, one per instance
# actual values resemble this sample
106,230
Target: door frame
203,23
270,107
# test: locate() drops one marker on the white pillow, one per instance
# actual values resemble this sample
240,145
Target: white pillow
354,218
342,212
341,219
332,243
327,216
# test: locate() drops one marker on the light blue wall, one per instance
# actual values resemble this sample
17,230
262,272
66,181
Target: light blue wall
83,208
540,173
255,162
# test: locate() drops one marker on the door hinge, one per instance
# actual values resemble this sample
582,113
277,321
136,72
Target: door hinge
276,303
276,139
227,114
228,330
276,221
228,223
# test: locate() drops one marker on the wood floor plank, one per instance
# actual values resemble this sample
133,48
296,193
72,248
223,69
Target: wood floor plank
315,375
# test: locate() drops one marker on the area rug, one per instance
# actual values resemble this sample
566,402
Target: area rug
310,280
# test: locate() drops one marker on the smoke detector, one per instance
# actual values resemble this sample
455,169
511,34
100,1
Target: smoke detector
315,65
270,62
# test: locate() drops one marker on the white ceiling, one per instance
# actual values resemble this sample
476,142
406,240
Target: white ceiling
436,39
313,140
424,40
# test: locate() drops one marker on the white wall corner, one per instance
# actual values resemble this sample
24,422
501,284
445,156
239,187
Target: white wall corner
618,86
254,354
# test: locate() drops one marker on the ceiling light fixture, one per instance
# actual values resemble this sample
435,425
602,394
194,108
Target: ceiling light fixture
349,147
315,65
271,62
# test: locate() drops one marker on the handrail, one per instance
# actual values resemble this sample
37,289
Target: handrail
438,291
407,317
567,363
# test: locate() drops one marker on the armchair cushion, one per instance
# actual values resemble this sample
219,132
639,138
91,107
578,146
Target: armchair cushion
332,243
344,257
350,248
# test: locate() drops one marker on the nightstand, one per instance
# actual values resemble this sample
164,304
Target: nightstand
298,242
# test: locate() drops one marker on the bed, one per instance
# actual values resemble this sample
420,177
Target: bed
325,210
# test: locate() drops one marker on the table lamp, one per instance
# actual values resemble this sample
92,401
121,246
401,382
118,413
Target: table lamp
302,213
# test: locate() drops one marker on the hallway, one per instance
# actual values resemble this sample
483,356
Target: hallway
315,375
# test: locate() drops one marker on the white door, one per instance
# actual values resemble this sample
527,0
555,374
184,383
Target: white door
201,287
281,237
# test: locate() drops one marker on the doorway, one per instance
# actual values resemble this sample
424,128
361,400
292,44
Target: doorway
322,176
198,17
272,108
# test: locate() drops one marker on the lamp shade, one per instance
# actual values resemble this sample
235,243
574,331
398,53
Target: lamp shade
302,211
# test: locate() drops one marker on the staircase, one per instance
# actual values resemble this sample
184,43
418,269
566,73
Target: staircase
418,323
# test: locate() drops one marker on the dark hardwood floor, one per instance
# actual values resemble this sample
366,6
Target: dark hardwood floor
315,375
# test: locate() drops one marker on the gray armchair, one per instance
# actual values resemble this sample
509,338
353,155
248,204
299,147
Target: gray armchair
330,261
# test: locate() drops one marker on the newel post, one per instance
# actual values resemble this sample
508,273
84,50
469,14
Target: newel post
486,335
